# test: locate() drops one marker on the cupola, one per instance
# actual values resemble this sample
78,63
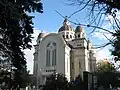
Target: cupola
79,32
66,26
79,29
67,31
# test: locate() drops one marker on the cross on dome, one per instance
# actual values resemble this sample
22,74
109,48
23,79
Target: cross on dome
66,21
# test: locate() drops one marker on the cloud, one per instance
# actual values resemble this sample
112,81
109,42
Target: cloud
103,54
108,24
102,35
109,17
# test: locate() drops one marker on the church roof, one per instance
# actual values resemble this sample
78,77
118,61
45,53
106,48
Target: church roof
79,29
66,26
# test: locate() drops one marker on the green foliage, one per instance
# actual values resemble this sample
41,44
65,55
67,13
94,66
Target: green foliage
56,82
105,66
20,79
16,27
4,77
59,82
107,75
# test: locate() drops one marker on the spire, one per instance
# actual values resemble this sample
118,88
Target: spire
66,21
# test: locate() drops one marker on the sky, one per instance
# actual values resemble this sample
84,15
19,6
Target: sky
51,21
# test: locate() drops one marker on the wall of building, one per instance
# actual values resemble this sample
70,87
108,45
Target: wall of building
62,57
60,52
70,61
67,62
79,61
81,55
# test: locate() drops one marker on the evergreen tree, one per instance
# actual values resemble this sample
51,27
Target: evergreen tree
16,27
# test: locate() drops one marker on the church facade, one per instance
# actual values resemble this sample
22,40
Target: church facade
67,52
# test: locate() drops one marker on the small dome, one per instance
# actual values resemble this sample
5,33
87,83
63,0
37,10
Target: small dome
41,35
79,29
66,26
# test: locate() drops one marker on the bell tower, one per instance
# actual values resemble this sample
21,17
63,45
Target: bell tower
67,31
79,32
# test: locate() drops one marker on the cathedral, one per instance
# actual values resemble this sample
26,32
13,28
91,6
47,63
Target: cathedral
67,52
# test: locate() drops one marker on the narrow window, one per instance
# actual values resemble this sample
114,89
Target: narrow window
79,65
48,58
75,36
66,36
48,55
54,54
51,54
53,57
78,35
63,36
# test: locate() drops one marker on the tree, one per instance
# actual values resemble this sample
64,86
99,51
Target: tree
4,79
98,11
56,82
16,27
116,46
107,75
98,8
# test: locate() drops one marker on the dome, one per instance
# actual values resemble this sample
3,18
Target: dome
79,29
66,26
41,35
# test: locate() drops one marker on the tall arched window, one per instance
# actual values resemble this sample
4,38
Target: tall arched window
66,36
54,54
48,55
79,65
51,54
63,36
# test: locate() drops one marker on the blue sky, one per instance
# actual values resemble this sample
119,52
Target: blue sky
50,21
